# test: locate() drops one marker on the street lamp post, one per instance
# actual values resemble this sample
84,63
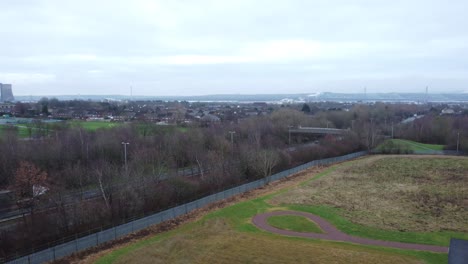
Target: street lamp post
232,138
125,155
392,129
289,134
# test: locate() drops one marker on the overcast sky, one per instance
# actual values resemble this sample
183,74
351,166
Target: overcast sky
171,47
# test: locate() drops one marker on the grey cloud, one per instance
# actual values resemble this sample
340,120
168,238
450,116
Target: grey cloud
201,47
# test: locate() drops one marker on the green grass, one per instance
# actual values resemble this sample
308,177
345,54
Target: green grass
294,223
441,238
147,129
239,216
2,128
94,125
23,131
412,146
416,146
151,129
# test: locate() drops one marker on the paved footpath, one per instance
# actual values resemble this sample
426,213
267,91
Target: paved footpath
331,233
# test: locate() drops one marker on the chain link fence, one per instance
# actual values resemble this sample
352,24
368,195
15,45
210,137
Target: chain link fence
82,243
424,152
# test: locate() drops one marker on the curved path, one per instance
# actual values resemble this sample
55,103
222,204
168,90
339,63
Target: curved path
331,233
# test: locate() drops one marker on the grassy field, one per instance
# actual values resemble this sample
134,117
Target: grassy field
420,146
410,146
294,223
23,131
94,125
411,188
408,194
215,242
227,236
144,128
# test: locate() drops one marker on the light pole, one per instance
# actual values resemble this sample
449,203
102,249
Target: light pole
125,155
392,129
289,135
232,138
458,140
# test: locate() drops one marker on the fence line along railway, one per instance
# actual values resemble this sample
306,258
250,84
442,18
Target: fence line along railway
318,131
71,245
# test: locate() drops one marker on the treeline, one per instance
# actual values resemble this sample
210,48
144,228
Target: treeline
436,129
87,184
73,180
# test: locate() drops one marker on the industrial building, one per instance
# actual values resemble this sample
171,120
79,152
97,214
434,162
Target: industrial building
6,93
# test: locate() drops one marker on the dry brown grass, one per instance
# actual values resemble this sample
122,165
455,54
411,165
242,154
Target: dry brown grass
216,242
406,193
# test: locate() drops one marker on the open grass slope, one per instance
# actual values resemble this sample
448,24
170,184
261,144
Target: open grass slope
420,146
402,198
227,235
407,145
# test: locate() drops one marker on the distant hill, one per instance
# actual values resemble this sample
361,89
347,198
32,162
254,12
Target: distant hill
317,97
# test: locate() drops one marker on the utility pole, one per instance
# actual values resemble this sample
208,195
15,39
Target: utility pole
427,95
125,155
232,138
370,140
365,93
392,129
289,135
458,140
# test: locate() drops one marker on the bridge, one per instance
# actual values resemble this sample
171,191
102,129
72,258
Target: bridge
318,131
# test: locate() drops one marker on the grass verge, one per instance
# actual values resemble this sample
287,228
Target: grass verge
294,223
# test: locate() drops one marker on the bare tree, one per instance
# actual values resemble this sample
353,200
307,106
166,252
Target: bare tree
263,161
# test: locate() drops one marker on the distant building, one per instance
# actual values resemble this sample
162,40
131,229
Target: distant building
411,119
210,119
6,93
447,111
6,108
